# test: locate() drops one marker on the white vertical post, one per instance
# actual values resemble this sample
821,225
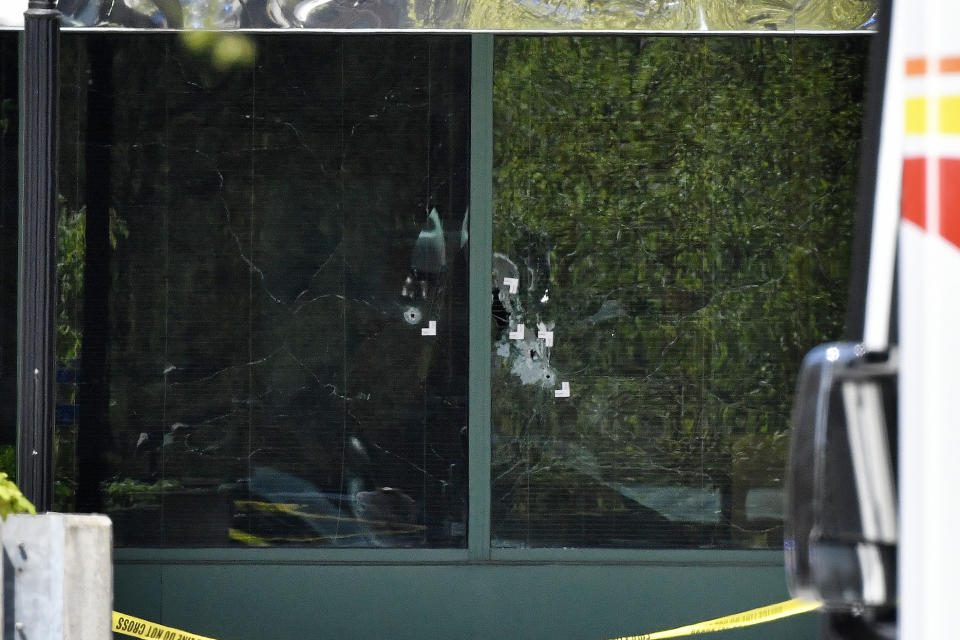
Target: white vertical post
57,577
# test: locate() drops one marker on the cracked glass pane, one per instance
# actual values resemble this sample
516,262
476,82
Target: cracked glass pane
273,336
671,225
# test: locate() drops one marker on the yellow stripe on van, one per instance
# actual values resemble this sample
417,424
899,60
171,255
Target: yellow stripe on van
916,115
950,114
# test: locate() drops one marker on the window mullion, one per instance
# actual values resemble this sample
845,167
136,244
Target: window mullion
481,255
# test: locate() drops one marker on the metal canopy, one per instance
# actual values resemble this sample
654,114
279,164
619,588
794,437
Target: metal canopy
658,16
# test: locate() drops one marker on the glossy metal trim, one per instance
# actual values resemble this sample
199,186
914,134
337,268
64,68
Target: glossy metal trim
498,32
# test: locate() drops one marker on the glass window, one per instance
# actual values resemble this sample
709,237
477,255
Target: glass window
263,266
671,228
275,343
9,127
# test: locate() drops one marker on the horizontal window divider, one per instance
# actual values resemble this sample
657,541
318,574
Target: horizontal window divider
215,555
498,557
698,557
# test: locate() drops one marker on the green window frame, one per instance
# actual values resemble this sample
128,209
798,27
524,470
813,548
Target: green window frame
478,548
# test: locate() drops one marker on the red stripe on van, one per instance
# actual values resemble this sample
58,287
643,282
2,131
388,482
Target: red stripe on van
913,200
950,200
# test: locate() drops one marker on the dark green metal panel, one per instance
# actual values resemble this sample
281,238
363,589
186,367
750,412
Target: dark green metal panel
481,256
138,588
419,601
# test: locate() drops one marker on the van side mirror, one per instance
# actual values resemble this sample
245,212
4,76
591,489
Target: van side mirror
840,533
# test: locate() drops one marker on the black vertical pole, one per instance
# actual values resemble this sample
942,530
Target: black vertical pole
36,299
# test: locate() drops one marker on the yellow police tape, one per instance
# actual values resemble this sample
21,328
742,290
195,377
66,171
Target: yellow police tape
743,619
146,630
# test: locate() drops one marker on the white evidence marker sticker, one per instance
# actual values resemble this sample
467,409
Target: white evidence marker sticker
430,329
547,336
518,334
563,391
513,284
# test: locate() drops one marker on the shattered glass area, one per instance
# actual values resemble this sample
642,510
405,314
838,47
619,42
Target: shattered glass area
284,357
670,237
659,15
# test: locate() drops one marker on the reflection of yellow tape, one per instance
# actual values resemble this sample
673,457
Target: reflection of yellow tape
253,540
146,630
743,619
294,510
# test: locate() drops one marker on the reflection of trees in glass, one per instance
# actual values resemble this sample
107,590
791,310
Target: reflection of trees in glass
687,202
689,15
71,228
71,262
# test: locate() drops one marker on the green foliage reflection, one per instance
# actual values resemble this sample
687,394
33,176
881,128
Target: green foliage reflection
687,203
